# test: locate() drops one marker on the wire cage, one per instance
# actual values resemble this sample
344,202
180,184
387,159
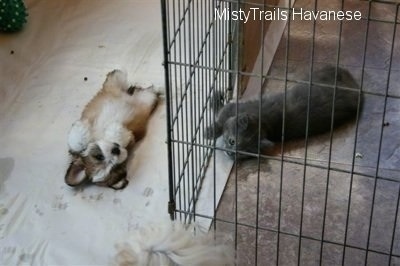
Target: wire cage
331,198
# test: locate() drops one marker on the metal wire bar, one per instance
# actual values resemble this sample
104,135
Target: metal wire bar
381,133
296,81
356,133
171,203
306,137
331,134
199,61
259,141
287,43
296,235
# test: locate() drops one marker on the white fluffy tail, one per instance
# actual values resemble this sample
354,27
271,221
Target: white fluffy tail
173,244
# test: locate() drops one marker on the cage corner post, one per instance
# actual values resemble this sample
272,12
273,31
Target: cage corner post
171,202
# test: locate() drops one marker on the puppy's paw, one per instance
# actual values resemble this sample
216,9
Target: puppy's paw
117,78
79,136
121,184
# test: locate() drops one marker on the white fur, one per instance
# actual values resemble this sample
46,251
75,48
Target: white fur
117,78
115,132
105,118
172,244
111,159
79,136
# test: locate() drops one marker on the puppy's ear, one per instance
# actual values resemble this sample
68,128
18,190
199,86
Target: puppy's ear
79,136
75,174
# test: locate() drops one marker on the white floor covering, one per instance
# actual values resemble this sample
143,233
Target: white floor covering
42,91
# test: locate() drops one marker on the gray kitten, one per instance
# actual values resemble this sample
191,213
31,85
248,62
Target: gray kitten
247,121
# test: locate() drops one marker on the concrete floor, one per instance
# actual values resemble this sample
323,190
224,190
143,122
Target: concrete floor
371,160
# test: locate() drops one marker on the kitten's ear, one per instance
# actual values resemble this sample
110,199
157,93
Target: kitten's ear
75,174
243,120
265,144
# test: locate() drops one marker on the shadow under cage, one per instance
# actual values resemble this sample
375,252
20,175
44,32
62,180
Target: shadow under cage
329,197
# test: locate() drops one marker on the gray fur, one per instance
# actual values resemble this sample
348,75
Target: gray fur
247,120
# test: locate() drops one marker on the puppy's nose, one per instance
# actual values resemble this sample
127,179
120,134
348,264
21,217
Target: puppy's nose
115,151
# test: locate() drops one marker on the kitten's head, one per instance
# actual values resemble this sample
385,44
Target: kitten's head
246,138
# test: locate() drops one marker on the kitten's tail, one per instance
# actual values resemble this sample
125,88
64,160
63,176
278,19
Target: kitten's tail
172,243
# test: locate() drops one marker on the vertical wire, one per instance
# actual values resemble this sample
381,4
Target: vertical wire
191,155
381,135
211,115
193,107
182,189
214,79
175,146
214,148
283,131
202,86
356,133
259,137
237,111
331,133
213,93
168,106
306,136
186,184
198,90
394,227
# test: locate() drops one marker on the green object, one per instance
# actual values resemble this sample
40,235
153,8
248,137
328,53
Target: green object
12,15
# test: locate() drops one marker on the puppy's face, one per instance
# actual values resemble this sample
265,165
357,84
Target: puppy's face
100,162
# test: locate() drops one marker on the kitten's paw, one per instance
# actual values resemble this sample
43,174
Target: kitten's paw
212,132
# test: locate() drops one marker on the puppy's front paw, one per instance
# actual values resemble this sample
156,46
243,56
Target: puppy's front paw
79,136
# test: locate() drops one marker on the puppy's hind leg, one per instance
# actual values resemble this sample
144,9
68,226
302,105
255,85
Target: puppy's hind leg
117,79
118,177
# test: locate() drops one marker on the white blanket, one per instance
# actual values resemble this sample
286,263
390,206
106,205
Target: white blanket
42,91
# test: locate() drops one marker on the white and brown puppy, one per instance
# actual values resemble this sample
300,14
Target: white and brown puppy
115,118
